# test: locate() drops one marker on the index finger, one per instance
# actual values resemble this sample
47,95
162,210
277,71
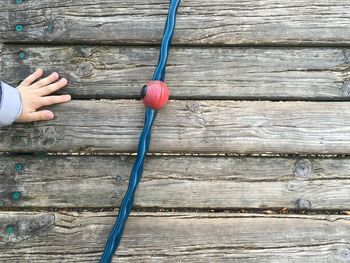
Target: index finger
32,77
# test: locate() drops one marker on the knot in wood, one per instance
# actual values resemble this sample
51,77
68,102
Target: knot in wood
294,186
192,106
303,168
345,253
346,55
115,197
303,204
345,89
56,27
85,69
48,137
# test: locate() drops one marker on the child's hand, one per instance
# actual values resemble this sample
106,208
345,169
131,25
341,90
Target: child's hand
34,95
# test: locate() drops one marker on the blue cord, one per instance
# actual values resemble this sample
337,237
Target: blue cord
144,142
159,73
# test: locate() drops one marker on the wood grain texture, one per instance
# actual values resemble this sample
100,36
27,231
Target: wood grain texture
200,73
218,22
176,182
177,237
189,127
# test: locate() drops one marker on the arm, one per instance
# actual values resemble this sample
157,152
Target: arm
22,104
10,104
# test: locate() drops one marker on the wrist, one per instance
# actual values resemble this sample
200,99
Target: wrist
20,105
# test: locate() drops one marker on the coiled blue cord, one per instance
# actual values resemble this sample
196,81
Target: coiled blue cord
144,141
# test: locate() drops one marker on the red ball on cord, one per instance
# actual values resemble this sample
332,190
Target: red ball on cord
155,94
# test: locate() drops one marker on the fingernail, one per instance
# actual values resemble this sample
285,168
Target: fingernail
50,115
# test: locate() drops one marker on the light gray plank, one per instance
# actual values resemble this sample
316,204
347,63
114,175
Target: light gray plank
176,182
199,22
176,237
242,127
225,73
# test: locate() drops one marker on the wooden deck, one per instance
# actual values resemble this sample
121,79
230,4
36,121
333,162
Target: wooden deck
249,161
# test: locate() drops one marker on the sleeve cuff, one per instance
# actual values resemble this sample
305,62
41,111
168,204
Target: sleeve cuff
10,104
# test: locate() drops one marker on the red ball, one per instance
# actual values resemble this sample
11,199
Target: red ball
155,94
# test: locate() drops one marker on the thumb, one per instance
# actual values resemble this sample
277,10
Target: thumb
43,115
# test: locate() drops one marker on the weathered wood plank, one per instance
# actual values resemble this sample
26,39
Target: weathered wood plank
199,22
225,73
184,126
176,182
176,237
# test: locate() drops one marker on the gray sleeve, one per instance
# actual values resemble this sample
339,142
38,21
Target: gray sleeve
10,104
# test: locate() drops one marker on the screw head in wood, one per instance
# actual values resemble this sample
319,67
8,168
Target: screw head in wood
19,28
118,178
19,167
15,196
22,55
10,229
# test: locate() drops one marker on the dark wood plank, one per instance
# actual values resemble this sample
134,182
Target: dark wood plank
220,22
176,182
242,127
205,73
176,237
